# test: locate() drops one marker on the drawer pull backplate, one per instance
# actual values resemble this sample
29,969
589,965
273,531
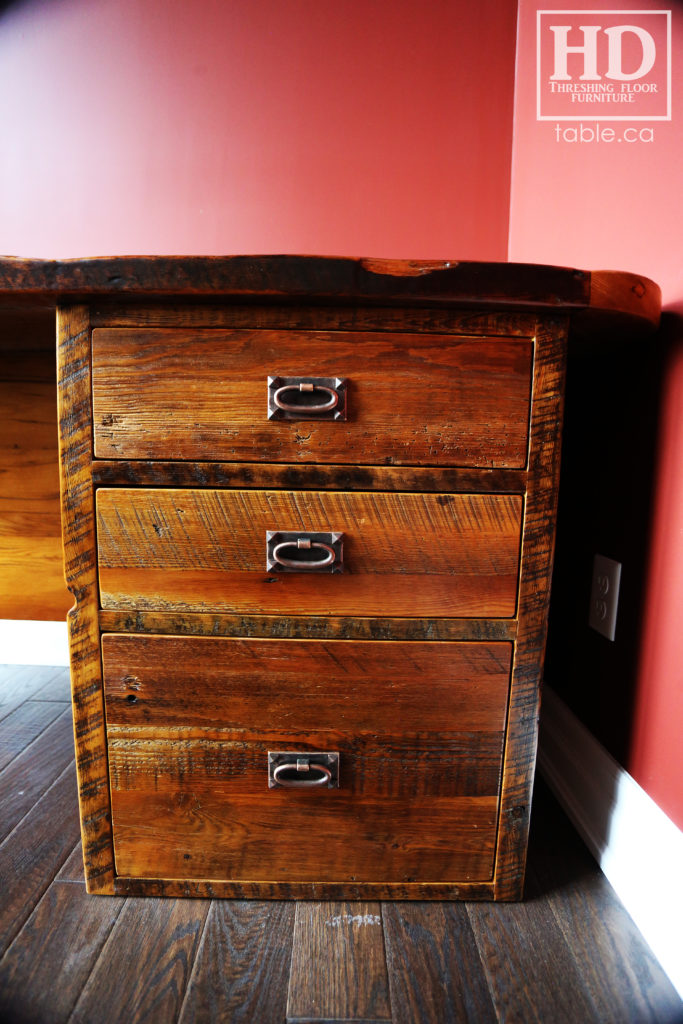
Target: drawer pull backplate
288,551
303,769
306,398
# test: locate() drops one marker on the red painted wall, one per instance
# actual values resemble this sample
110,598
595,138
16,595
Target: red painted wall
616,205
349,127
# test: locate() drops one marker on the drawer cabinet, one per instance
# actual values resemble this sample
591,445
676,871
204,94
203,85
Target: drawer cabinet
411,399
308,526
418,727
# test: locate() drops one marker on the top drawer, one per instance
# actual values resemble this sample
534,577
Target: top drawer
410,399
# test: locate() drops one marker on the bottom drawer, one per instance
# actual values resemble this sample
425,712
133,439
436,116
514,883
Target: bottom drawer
419,728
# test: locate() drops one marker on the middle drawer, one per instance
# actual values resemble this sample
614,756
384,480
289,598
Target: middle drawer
405,554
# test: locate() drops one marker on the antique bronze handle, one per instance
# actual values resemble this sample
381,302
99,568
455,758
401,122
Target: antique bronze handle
294,769
283,403
304,550
306,387
303,544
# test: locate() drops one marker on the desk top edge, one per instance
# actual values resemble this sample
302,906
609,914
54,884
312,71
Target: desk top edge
592,297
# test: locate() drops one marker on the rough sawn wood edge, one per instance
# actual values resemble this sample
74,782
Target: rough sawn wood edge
603,295
80,572
534,597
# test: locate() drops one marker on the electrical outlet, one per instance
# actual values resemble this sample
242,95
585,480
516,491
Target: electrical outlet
604,596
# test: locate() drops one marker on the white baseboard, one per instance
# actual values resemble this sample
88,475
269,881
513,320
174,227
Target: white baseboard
637,846
30,642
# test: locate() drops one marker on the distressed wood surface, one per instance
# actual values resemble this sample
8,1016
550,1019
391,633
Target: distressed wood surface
329,316
33,852
439,555
190,723
604,295
241,475
412,399
31,773
297,276
21,727
338,968
24,683
181,545
144,968
30,528
306,627
435,973
46,967
80,570
538,547
241,971
514,981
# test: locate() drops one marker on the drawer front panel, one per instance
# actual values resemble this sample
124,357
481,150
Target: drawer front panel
404,554
411,399
419,728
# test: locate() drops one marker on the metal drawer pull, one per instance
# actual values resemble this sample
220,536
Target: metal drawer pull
319,774
322,398
303,544
293,769
306,387
304,552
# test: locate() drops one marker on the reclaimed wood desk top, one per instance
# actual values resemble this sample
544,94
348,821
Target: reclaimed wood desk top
600,301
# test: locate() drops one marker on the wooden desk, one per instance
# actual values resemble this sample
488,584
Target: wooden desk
309,511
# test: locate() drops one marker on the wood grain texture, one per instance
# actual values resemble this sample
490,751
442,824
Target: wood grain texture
439,555
534,597
241,971
239,314
519,986
306,627
242,475
47,965
75,442
23,726
27,777
435,974
144,968
204,888
190,722
412,399
258,688
31,574
19,683
338,967
378,280
34,851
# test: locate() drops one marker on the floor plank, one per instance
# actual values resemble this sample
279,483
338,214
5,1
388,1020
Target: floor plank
625,981
47,965
34,852
529,965
435,973
72,868
144,968
56,688
23,725
241,972
338,964
568,953
34,770
19,683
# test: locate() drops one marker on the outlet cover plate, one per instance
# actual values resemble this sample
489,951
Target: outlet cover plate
605,596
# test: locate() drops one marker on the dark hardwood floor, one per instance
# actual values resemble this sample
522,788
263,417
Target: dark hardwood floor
568,953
